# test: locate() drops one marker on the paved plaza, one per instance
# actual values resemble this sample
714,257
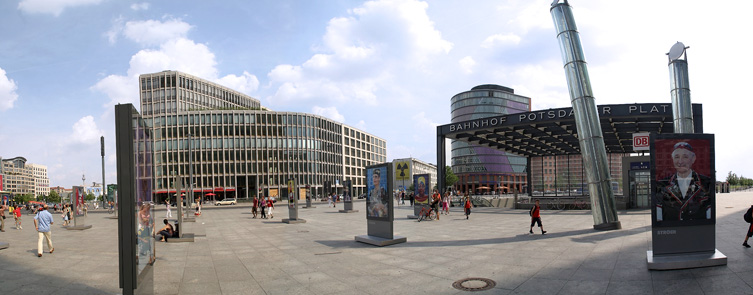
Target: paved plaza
235,254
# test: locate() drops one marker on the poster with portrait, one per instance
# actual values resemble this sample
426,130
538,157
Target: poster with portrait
78,200
144,199
377,198
421,184
291,194
683,179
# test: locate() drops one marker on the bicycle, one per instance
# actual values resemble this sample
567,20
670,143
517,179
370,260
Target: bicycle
581,205
426,214
111,210
556,205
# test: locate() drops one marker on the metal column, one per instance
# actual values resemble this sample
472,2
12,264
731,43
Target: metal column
587,121
682,111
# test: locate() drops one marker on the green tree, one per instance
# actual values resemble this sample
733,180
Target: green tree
54,197
89,197
449,178
22,199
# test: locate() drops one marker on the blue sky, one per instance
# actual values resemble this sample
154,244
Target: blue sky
388,67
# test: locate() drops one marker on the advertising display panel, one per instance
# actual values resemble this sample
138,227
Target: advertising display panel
143,201
347,192
78,200
377,199
421,183
682,169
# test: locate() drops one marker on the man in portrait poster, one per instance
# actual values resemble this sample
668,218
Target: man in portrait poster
377,202
683,189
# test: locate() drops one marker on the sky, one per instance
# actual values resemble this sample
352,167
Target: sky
388,67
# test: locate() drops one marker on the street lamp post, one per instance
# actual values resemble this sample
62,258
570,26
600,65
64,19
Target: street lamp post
102,195
190,166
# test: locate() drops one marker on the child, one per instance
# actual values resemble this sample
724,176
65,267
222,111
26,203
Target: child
536,218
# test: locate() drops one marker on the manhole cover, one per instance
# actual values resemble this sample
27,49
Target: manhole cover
474,284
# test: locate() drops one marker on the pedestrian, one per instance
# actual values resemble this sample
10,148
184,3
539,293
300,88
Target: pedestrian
66,214
17,216
169,213
270,207
43,223
166,231
410,198
536,218
86,209
445,204
254,206
329,201
749,219
263,205
2,216
467,206
435,199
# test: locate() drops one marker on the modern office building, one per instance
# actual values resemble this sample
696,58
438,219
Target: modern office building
21,178
240,148
404,169
482,169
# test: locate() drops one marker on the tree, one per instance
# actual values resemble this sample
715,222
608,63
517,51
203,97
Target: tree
22,199
89,197
54,197
449,178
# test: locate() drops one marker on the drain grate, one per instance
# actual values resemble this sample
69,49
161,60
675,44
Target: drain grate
474,284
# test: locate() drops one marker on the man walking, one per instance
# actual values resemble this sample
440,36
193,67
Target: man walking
2,216
42,222
749,219
169,213
536,218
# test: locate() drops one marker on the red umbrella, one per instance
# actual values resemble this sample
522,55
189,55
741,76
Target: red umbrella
210,194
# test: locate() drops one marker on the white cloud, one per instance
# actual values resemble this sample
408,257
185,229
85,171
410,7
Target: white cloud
140,6
500,40
466,64
8,94
85,131
175,52
114,31
360,53
54,7
330,112
245,83
154,32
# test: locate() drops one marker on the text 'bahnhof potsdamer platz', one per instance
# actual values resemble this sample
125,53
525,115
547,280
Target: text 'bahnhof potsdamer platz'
241,149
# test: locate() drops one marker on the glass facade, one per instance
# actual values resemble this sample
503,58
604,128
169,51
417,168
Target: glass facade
239,147
482,169
564,175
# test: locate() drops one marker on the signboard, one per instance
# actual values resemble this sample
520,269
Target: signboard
640,141
402,170
78,200
421,184
377,199
683,201
640,165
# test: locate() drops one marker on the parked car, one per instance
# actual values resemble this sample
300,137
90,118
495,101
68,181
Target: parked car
227,201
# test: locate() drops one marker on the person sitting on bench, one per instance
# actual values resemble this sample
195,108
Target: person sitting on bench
167,231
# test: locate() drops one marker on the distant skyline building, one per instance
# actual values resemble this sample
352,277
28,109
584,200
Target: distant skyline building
483,169
22,178
241,148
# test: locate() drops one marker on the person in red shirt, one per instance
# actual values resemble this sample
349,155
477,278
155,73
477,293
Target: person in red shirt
435,199
467,206
270,207
536,218
17,215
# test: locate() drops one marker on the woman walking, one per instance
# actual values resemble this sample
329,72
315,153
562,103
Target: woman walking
467,206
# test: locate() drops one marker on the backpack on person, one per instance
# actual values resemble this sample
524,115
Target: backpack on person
530,213
749,215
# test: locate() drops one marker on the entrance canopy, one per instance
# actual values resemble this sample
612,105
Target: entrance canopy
553,132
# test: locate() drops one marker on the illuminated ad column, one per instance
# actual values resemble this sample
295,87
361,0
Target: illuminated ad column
421,185
380,207
292,195
136,255
587,122
348,197
683,214
79,219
